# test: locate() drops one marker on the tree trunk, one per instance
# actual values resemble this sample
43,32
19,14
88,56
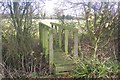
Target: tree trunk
119,31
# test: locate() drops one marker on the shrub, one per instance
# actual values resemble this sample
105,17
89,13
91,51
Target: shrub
95,68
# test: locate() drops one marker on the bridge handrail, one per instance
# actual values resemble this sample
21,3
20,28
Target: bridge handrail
45,26
65,26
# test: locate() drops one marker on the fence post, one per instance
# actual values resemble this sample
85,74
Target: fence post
51,52
76,44
46,42
40,33
66,41
43,37
60,43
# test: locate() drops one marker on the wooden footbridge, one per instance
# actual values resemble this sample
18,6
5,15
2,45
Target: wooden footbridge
52,39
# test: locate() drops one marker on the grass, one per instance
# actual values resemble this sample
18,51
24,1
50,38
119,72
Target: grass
91,68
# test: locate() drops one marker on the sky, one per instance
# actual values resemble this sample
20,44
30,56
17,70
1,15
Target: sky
49,6
61,4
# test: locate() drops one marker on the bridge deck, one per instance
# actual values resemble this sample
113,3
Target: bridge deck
63,63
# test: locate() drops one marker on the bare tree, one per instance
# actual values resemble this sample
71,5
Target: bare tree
118,31
97,21
18,36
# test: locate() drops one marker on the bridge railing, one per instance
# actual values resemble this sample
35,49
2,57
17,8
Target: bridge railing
66,29
46,35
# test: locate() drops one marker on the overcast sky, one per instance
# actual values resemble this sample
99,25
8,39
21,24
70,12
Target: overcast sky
50,5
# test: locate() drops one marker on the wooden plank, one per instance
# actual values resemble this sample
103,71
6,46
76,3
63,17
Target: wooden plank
51,51
60,58
65,26
63,68
66,41
76,44
65,64
45,26
43,37
56,36
60,39
46,42
62,74
40,34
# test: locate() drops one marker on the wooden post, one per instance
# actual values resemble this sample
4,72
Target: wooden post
40,34
66,41
60,43
51,52
76,44
46,42
43,36
56,38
